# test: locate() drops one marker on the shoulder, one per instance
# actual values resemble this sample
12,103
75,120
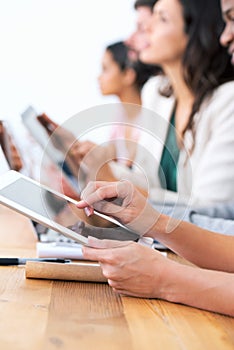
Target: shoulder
151,96
153,85
220,105
216,115
222,95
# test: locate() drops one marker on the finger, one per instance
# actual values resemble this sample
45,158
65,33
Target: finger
94,242
103,207
50,121
97,195
94,254
82,204
109,208
92,186
99,191
104,251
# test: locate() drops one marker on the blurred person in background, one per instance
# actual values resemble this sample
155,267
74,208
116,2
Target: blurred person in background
123,78
137,42
198,99
135,270
194,104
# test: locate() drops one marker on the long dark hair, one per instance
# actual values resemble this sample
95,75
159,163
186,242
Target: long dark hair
206,63
120,54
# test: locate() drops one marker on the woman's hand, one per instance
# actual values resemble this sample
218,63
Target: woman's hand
122,201
49,125
131,268
80,149
16,161
61,138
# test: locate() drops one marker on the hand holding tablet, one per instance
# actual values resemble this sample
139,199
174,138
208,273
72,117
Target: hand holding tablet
54,210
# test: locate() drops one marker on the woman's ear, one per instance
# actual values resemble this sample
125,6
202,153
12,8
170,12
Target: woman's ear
129,76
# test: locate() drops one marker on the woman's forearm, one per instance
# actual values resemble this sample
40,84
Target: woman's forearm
204,289
202,247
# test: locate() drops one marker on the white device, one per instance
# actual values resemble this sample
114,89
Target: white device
39,134
40,203
29,119
45,206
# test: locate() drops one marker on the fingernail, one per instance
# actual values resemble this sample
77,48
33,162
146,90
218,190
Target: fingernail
88,211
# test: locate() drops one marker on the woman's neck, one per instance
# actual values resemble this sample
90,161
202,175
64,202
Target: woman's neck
183,95
131,99
131,95
180,89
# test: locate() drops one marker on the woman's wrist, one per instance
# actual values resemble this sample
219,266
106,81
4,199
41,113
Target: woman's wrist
179,283
159,227
164,283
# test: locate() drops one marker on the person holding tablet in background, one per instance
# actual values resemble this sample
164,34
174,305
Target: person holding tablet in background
124,78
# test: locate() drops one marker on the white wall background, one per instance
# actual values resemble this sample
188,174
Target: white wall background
51,53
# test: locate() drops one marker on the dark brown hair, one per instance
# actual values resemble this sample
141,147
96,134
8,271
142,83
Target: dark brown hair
206,63
145,3
120,54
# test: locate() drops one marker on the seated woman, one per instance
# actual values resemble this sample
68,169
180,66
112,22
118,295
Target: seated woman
124,79
187,149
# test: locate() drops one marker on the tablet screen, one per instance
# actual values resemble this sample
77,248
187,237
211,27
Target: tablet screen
42,201
52,210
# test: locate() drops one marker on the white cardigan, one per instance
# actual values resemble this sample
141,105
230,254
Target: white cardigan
205,177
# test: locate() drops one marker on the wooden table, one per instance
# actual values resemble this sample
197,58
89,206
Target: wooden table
42,314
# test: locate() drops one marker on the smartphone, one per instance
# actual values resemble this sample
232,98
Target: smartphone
46,206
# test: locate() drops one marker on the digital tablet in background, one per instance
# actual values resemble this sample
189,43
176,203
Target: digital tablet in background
53,165
54,210
29,119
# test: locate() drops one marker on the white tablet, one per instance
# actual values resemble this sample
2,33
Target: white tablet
47,207
29,119
40,203
56,157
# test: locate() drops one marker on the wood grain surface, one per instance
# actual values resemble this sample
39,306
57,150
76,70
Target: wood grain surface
48,314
